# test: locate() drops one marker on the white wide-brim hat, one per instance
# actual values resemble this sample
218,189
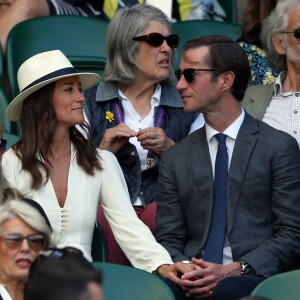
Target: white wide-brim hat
40,70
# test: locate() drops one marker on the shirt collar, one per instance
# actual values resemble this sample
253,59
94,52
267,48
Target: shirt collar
231,131
155,97
278,86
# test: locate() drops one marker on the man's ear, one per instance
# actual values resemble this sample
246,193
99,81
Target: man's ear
278,44
226,80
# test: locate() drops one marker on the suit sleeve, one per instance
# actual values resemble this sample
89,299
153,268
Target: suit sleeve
280,252
171,226
133,236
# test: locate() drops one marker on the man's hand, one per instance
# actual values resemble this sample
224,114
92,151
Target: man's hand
202,280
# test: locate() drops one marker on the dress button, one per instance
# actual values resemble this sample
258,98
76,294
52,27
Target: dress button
295,131
295,111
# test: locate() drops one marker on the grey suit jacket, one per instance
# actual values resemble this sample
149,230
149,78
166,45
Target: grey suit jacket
263,209
257,99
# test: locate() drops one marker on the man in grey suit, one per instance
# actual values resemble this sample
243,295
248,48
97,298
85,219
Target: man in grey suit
279,104
262,208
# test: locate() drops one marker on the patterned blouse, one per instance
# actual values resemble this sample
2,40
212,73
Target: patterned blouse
261,71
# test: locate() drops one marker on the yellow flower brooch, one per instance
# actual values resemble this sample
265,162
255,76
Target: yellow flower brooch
109,116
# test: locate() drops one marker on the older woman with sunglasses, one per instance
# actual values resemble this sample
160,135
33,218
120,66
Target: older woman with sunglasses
135,112
24,231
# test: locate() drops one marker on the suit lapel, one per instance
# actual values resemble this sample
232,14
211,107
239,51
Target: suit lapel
244,145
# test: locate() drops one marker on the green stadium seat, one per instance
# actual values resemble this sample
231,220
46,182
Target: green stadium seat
127,283
280,287
99,251
81,39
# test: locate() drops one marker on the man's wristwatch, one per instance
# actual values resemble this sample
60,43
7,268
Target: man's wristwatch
247,269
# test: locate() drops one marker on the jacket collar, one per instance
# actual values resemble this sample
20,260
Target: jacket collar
107,91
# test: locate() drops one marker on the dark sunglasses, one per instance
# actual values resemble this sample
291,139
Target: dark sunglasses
295,32
189,74
14,240
156,39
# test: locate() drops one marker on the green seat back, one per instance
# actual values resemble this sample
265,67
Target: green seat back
11,139
4,122
280,287
230,7
195,28
128,283
99,250
81,39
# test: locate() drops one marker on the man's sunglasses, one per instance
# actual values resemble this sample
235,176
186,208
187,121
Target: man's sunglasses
156,39
189,74
295,32
14,240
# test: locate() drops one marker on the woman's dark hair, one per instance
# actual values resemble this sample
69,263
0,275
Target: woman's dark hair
252,18
38,124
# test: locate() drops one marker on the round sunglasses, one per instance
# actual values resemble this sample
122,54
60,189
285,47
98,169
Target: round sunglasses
156,39
189,74
295,32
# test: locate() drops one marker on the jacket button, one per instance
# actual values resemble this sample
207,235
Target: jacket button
132,153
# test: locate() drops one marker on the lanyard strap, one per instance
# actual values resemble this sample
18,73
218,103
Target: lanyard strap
118,112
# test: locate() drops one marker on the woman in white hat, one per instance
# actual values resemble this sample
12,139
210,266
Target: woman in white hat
55,165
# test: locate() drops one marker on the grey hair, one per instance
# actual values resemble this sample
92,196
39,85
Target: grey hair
27,213
124,25
274,25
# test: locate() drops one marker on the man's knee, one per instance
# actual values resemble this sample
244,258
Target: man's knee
235,287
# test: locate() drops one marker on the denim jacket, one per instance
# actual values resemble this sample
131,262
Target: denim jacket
176,124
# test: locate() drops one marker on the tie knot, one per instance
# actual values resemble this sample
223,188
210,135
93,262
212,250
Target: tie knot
221,137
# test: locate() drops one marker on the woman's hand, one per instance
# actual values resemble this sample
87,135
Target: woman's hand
154,139
115,138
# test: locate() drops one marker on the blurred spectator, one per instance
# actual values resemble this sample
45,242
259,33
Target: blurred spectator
253,16
181,10
13,12
63,274
278,104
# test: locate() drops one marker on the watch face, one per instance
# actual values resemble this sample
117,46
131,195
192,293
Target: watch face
247,270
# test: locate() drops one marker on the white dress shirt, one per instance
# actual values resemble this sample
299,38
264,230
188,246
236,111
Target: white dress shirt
135,122
283,111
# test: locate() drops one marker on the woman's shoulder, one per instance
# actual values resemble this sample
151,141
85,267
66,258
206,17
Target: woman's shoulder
10,155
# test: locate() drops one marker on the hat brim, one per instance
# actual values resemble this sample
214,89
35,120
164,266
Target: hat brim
14,109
